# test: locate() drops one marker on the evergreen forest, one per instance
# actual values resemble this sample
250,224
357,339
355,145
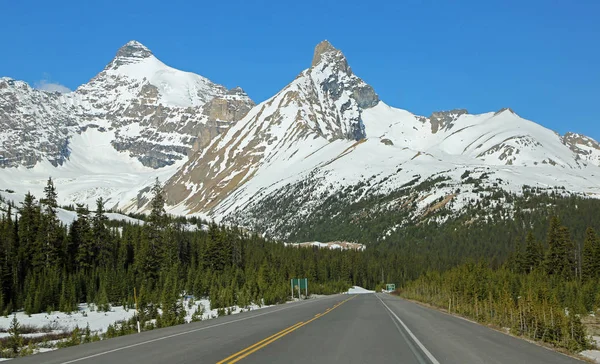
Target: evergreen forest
535,271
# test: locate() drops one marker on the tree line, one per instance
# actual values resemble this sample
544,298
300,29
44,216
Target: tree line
540,292
47,265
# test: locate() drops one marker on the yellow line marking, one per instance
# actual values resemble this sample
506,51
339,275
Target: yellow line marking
261,344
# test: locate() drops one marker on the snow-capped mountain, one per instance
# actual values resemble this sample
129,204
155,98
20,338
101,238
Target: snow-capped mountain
321,106
157,112
137,119
326,133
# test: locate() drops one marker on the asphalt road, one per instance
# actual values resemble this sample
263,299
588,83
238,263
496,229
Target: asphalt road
364,328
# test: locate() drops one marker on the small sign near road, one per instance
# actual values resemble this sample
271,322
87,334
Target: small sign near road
299,284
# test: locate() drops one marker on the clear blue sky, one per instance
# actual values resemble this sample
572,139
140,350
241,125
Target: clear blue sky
539,57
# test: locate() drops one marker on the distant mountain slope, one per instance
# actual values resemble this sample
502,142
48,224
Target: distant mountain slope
327,132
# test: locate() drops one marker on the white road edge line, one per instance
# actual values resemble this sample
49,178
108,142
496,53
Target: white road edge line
421,346
185,333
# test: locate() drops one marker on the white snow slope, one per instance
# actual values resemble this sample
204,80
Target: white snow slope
95,169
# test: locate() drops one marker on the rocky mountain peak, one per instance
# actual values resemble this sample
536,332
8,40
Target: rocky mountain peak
326,53
134,49
321,49
506,109
330,70
130,53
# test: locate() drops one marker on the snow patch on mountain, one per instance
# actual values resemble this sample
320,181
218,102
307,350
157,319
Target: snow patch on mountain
94,169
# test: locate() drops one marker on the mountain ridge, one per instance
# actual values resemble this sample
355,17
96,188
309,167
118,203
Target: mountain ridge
326,131
494,139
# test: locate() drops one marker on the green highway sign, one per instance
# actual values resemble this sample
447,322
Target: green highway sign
390,287
299,284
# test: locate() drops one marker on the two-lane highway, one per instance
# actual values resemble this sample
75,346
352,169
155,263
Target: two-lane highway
368,328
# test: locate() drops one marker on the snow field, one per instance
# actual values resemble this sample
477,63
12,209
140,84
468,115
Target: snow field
358,290
99,321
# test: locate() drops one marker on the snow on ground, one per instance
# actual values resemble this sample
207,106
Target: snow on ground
85,315
212,313
65,216
358,290
341,245
592,354
99,321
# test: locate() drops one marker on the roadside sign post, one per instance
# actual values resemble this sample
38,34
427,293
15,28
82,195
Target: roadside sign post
390,287
306,286
299,284
137,313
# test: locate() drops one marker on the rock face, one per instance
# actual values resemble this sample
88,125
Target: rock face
586,148
34,125
158,114
444,119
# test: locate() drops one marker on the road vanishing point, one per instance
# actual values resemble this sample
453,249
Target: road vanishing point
346,328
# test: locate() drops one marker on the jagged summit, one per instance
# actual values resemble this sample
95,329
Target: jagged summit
321,49
326,55
134,49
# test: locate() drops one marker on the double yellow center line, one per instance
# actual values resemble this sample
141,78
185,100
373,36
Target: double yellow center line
261,344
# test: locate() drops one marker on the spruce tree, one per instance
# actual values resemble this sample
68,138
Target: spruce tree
590,266
28,226
152,250
102,246
534,253
83,238
15,340
50,198
596,266
50,235
157,206
561,256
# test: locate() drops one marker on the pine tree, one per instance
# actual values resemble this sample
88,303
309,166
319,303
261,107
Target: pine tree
534,253
561,257
590,267
50,199
152,250
15,340
102,246
28,226
50,235
82,238
157,206
596,266
569,252
517,260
